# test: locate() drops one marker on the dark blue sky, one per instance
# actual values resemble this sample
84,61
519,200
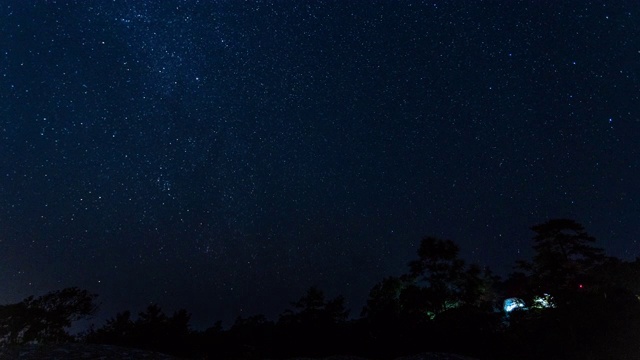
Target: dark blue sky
223,156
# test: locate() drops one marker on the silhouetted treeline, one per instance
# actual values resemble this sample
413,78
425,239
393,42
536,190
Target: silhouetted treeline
573,302
46,318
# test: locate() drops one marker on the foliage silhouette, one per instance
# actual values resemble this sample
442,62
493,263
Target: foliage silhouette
314,324
564,259
440,304
444,281
118,330
313,310
153,330
45,318
384,299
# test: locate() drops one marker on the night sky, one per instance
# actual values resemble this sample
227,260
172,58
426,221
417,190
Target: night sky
224,156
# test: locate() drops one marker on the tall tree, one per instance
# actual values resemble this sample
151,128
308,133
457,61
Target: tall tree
564,257
384,299
444,280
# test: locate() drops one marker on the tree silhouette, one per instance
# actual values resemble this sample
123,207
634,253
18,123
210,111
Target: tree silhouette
384,303
312,309
118,330
440,305
478,287
313,326
617,274
592,301
153,330
443,280
564,257
250,337
45,318
14,321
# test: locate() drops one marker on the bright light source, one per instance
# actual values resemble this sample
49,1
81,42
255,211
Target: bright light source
511,304
543,302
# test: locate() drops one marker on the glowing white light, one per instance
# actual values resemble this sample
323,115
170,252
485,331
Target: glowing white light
511,304
543,302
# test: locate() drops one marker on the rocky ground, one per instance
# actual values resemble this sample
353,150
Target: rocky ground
108,352
423,356
77,352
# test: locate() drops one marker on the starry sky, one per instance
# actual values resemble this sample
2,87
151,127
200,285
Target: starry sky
223,156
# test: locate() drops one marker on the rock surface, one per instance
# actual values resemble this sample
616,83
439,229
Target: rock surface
423,356
77,352
435,356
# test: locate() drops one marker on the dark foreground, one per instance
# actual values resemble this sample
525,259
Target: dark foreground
77,351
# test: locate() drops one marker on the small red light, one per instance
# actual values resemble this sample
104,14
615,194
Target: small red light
580,286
